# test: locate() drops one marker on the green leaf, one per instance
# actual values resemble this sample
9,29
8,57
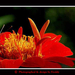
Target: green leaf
6,19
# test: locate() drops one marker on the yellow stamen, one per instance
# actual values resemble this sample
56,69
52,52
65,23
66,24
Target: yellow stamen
26,47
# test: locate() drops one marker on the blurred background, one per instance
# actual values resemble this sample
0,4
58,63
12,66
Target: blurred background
62,21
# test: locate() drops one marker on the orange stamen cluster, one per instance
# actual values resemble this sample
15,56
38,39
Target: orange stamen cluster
13,44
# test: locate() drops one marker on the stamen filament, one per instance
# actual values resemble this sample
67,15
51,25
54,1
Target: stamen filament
15,46
18,49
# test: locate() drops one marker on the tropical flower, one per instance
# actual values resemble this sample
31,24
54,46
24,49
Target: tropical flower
41,50
9,58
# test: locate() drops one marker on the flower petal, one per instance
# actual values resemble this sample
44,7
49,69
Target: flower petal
3,35
56,49
51,65
1,58
52,35
39,62
49,42
33,62
36,39
63,60
42,40
71,58
20,31
34,28
43,29
10,63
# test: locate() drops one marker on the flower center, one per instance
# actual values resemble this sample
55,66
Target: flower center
26,46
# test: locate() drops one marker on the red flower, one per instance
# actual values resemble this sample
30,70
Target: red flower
43,50
5,60
49,51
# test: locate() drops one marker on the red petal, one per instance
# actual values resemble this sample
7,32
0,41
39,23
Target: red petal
37,50
56,49
10,63
39,62
1,58
63,60
52,35
34,28
20,31
43,40
3,35
71,59
44,27
33,62
50,41
51,65
39,45
36,40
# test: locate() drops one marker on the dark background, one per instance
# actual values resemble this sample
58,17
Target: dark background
62,21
